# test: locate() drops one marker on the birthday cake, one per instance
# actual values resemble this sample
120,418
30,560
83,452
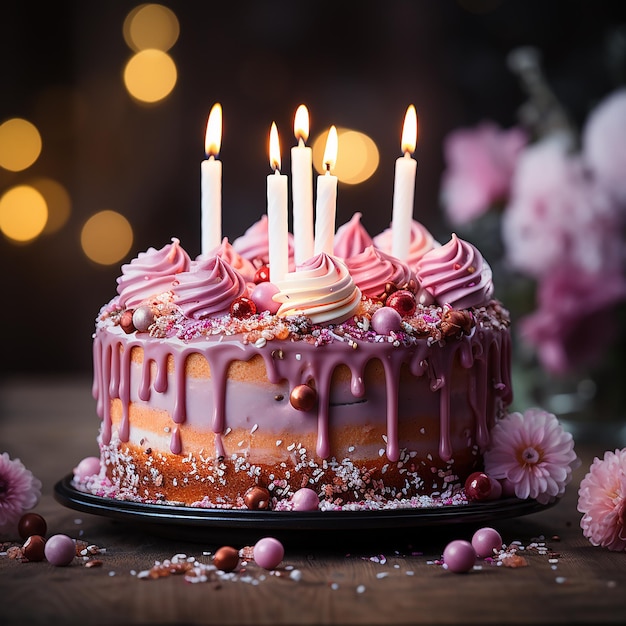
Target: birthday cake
355,380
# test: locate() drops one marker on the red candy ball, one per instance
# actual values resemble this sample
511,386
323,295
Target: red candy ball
478,486
459,556
226,558
262,275
242,307
31,524
34,548
402,301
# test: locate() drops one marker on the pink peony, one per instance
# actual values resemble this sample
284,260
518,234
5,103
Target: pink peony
480,164
602,500
19,491
570,302
532,454
604,142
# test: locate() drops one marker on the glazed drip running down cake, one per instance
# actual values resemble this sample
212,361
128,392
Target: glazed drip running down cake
368,381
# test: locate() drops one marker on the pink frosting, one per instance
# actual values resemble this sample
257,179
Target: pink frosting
420,243
351,238
152,272
372,269
228,253
209,289
253,245
456,274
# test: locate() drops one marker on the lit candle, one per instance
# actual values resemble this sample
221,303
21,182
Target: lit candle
404,189
302,188
326,204
211,183
277,213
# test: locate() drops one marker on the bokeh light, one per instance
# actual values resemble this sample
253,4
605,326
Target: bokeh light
58,201
106,237
23,213
150,75
20,144
151,26
357,156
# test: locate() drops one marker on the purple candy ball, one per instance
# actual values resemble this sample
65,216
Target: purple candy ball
60,550
485,541
386,320
268,552
262,296
89,466
459,556
305,500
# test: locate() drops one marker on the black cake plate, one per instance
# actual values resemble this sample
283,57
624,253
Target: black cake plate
202,524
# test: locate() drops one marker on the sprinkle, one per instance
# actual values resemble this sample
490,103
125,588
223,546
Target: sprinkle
360,589
560,579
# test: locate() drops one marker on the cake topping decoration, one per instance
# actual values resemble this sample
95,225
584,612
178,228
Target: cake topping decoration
351,238
152,272
420,243
227,253
254,244
456,274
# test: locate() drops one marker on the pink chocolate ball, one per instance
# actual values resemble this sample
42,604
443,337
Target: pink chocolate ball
386,320
87,467
485,541
60,550
268,552
262,296
459,556
305,500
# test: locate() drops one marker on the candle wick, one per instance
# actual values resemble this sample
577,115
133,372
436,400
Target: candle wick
301,142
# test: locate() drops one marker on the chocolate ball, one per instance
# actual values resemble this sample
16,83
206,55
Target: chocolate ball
143,318
257,498
126,322
34,548
226,559
31,524
303,397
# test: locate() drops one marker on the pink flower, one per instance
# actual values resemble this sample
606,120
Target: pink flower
604,142
480,164
570,302
532,454
19,491
602,500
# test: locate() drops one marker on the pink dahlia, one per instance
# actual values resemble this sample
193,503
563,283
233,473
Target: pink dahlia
532,454
602,501
19,491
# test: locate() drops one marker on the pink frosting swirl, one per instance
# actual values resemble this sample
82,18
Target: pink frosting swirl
227,253
456,274
253,245
372,269
151,273
420,243
209,289
321,289
351,238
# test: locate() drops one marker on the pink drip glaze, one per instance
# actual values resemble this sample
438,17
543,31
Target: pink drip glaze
176,445
301,362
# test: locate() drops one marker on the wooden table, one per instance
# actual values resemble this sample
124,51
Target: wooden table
378,577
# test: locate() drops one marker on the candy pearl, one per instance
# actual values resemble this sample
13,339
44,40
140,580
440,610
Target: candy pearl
257,498
126,322
262,296
485,541
303,397
459,556
268,552
305,500
478,486
402,301
60,550
242,307
31,524
34,548
226,559
89,466
143,318
262,275
386,320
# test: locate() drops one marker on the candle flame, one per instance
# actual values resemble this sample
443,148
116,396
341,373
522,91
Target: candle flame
301,123
330,152
409,130
274,148
213,137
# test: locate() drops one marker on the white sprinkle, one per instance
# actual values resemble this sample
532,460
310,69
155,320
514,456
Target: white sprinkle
334,586
296,575
553,560
560,579
382,574
260,342
298,357
111,573
381,452
360,589
78,520
278,442
410,573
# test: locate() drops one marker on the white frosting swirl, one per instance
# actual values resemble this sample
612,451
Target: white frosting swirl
322,289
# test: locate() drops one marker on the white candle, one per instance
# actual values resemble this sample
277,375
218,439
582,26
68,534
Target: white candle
277,193
326,201
211,183
302,188
404,189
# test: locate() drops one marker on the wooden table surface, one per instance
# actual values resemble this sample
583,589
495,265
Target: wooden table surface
370,577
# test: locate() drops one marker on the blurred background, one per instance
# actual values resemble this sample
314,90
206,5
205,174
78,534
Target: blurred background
103,111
